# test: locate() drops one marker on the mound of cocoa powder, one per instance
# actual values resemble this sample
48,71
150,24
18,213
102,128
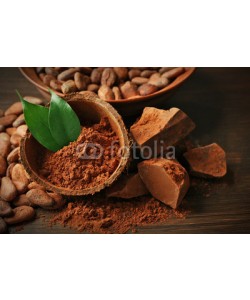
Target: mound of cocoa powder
100,215
71,168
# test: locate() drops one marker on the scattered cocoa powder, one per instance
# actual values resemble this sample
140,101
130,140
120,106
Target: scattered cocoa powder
67,168
100,215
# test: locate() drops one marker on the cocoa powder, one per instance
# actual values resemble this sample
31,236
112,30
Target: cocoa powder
100,215
73,167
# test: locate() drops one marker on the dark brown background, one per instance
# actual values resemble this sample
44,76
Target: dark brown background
218,100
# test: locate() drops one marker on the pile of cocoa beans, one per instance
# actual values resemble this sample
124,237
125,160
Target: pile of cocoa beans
18,194
109,83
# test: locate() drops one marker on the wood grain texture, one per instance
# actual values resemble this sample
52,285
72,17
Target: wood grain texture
218,100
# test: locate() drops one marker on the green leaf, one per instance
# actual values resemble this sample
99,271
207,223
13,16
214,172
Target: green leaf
64,124
37,120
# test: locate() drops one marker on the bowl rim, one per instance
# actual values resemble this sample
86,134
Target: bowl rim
27,73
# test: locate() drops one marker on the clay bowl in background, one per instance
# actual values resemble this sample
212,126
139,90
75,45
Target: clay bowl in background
126,107
88,108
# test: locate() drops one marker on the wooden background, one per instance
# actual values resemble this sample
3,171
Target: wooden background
218,100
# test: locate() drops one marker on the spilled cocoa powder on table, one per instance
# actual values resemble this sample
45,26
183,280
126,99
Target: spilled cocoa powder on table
69,169
100,215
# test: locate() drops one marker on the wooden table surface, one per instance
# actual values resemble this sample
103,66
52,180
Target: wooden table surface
218,100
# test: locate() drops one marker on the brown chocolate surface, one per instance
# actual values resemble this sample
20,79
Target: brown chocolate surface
208,161
166,180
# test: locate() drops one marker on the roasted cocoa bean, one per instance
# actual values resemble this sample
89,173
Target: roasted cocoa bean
158,81
33,100
9,169
139,80
171,74
3,226
147,89
5,145
129,89
40,198
13,156
147,73
121,73
3,166
81,81
67,74
7,120
59,201
93,87
19,178
69,87
86,70
22,200
47,79
5,209
105,93
15,139
165,69
134,73
56,85
19,121
108,77
36,186
96,75
10,130
22,130
15,109
117,93
21,214
8,190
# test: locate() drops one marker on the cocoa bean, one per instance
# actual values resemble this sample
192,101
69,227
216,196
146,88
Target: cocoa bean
139,80
80,81
13,156
21,214
105,93
2,128
15,139
3,166
56,85
171,74
134,73
5,209
40,198
36,186
3,226
121,73
10,130
9,170
5,145
7,120
8,190
19,121
33,100
19,178
1,113
93,87
165,69
158,81
15,109
22,200
129,89
51,71
69,87
47,79
22,130
59,200
147,89
117,93
67,74
147,73
96,75
108,77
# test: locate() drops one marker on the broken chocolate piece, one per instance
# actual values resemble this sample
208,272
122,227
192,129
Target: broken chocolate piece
158,129
127,186
166,180
207,162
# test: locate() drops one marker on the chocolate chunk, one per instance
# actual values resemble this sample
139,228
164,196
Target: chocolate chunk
165,179
158,129
127,186
208,161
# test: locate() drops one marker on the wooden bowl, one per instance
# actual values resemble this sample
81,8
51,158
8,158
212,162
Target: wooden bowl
88,108
126,107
